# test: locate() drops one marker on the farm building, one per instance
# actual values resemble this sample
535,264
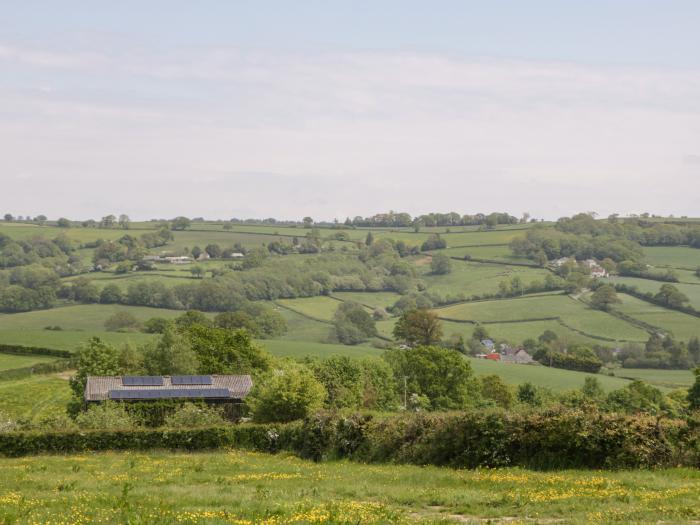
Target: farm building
516,355
209,388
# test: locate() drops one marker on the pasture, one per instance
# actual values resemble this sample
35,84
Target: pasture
34,397
247,488
692,291
576,315
673,256
681,325
556,379
11,361
320,308
498,252
670,379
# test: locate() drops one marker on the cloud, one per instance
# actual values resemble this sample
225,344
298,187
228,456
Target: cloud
223,132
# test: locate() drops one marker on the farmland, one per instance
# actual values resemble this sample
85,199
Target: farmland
309,319
246,488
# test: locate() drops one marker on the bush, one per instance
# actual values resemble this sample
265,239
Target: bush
106,416
286,394
194,415
122,321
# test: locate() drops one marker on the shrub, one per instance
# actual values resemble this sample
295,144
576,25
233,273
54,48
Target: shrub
289,393
122,321
194,415
106,416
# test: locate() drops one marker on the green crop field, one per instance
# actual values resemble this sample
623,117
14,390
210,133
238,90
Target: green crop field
670,379
247,488
574,314
19,231
34,397
11,361
673,256
682,325
557,379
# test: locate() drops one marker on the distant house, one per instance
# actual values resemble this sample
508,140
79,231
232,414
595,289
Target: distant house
493,356
231,389
236,255
204,256
488,343
561,261
517,355
178,259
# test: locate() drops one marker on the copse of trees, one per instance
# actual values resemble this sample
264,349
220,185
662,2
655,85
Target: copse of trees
353,324
418,327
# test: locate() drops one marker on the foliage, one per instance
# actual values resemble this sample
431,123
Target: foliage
95,358
221,351
172,354
122,320
194,415
604,297
440,374
418,326
353,324
106,416
285,394
440,264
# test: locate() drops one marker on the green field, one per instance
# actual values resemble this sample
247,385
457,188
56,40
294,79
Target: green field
682,325
34,397
250,488
496,253
673,256
670,379
321,307
301,349
692,291
369,299
472,279
85,317
557,379
574,314
11,361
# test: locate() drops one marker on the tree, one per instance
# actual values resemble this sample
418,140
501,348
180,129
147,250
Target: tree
107,221
694,349
420,326
8,217
592,389
440,374
40,219
191,318
604,297
95,358
124,221
180,223
369,239
528,394
495,389
353,324
221,351
63,223
480,333
440,264
196,252
111,294
171,354
121,321
214,251
671,296
694,391
288,393
236,321
308,221
197,272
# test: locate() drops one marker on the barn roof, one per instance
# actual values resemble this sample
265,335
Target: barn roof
226,387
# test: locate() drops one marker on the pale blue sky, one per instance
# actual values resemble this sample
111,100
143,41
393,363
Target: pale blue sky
331,108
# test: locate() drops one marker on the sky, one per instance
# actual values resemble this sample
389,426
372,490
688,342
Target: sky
333,108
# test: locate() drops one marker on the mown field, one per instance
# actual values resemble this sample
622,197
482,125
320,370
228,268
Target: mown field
10,361
34,397
673,256
251,488
691,291
681,325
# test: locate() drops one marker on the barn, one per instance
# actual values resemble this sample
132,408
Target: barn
231,389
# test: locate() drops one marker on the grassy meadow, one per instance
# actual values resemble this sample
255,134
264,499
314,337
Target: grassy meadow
251,488
34,397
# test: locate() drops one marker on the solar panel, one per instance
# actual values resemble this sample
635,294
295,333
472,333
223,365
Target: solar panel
176,393
142,381
190,380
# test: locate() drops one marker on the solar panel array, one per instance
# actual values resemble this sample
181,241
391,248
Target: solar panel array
177,393
191,380
142,381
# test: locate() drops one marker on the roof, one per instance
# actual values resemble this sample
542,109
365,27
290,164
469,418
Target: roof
102,388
